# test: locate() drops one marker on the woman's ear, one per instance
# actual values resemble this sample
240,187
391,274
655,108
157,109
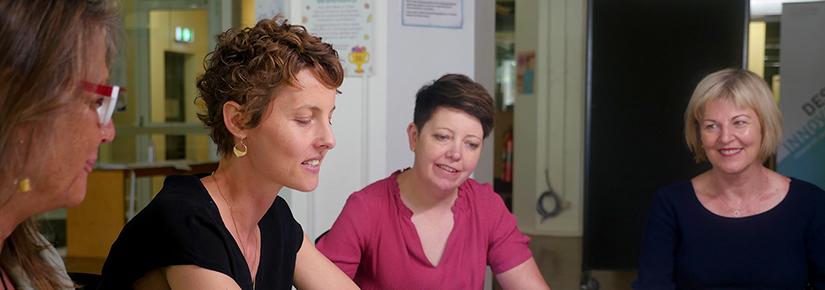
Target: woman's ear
234,119
412,135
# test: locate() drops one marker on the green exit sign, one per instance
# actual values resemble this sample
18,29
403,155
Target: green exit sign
184,34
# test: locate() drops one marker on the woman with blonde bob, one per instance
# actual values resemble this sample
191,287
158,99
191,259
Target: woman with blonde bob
739,225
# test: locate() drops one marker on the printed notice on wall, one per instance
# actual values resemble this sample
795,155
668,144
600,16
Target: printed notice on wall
348,26
265,9
433,13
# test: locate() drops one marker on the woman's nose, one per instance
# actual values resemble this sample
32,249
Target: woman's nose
454,153
327,138
108,132
725,135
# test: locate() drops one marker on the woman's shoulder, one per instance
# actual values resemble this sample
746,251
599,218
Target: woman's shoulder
479,195
279,224
280,217
678,186
182,196
679,189
182,188
807,187
379,190
52,258
180,226
478,190
181,208
807,193
675,195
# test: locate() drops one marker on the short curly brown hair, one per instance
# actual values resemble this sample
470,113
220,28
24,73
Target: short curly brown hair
249,64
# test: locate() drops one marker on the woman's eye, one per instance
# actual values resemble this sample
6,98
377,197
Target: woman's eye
710,126
472,145
303,121
740,123
440,137
98,102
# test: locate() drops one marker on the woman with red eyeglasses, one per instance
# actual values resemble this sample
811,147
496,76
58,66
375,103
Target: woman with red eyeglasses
55,111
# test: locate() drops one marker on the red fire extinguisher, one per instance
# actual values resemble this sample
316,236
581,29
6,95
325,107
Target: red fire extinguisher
507,175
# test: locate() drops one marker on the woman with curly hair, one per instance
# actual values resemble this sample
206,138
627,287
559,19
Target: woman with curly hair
55,111
269,91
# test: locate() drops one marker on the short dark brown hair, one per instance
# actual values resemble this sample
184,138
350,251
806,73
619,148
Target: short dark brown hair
248,65
455,91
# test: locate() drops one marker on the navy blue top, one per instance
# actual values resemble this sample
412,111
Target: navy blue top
686,246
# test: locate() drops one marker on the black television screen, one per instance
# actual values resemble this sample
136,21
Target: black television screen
644,59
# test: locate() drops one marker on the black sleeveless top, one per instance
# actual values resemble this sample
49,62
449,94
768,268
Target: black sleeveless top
182,226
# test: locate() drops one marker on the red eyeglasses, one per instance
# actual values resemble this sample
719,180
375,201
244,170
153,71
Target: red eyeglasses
110,103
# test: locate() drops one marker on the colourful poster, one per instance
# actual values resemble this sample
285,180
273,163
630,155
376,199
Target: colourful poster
526,72
802,152
348,25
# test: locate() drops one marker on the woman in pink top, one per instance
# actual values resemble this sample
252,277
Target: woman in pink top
431,226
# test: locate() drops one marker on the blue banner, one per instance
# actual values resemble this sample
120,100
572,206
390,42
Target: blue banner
802,152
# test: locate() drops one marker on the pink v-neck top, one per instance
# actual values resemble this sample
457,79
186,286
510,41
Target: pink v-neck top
375,242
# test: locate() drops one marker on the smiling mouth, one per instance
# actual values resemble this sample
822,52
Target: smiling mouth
314,163
447,168
729,151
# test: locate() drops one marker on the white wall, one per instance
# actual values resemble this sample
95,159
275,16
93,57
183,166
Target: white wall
549,124
372,112
415,56
485,73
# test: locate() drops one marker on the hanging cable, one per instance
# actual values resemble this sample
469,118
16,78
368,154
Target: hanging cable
554,199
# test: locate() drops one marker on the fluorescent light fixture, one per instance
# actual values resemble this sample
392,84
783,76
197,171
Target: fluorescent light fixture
184,34
187,35
761,8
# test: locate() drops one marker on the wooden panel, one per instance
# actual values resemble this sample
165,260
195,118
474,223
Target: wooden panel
84,264
92,227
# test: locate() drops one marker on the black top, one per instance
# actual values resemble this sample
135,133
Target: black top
688,247
182,226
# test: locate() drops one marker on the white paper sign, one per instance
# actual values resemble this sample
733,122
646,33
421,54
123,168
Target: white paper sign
433,13
265,9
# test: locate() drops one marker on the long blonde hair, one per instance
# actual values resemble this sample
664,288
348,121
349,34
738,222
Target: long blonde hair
43,51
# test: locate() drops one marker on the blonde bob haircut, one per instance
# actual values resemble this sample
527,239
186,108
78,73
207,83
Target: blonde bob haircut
746,90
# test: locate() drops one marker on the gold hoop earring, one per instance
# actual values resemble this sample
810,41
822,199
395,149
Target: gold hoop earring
240,152
24,185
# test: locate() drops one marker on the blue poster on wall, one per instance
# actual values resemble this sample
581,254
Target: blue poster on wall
802,153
